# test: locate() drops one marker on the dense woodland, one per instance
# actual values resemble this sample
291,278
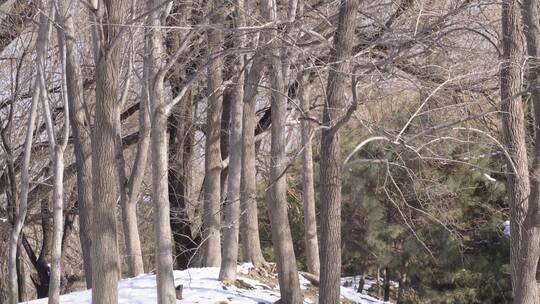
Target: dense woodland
390,139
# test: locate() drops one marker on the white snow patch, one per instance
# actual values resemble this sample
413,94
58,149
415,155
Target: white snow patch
489,178
506,227
3,220
244,268
200,285
254,283
349,290
304,283
353,296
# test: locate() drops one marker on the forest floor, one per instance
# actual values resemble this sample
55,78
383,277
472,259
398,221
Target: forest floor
201,285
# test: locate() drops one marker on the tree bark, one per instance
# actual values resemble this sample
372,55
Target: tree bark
81,135
164,261
130,188
22,275
232,204
105,261
330,165
518,187
160,160
212,182
289,285
58,199
526,287
105,247
251,245
57,154
308,197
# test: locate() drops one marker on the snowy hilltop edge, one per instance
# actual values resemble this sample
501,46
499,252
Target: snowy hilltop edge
201,285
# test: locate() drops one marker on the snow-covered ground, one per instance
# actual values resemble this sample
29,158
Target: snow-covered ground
349,290
200,285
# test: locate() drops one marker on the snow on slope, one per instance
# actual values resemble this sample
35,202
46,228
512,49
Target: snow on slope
349,291
200,285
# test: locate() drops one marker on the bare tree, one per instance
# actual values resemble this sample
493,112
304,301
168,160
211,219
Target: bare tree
289,286
10,181
227,273
526,217
56,151
251,246
330,165
20,217
212,179
23,202
130,187
110,51
181,146
308,49
308,195
160,111
514,131
79,122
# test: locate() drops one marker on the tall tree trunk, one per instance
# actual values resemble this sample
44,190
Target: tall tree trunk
251,245
105,262
330,166
308,196
232,204
289,285
212,182
518,187
160,160
20,216
57,154
181,148
81,135
58,199
526,288
129,203
22,276
130,188
164,261
105,247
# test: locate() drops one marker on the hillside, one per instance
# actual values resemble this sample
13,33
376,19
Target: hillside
200,285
